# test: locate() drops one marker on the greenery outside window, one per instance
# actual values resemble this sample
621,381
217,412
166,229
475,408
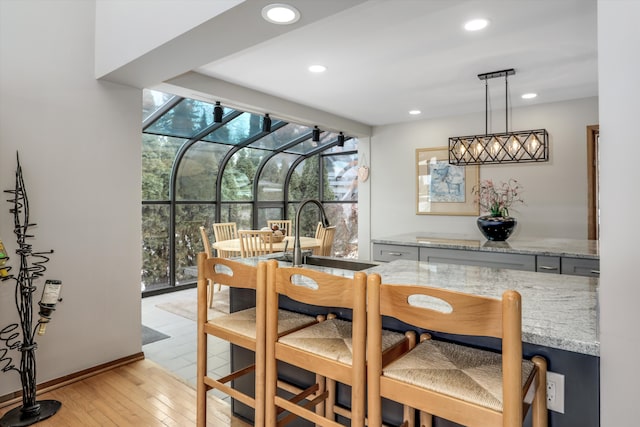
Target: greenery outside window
197,172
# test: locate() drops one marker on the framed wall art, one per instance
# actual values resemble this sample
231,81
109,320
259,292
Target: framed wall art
442,188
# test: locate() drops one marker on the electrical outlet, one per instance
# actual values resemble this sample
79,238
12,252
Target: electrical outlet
555,392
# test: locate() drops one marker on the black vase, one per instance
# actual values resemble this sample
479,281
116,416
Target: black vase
496,228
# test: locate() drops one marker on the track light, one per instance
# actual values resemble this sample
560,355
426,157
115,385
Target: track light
217,113
316,134
341,140
266,123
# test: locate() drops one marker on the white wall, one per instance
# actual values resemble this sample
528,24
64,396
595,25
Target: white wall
143,25
555,192
618,40
79,145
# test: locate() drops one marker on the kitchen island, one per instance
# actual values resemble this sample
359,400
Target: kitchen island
560,322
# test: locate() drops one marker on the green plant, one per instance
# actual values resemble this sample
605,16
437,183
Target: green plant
496,200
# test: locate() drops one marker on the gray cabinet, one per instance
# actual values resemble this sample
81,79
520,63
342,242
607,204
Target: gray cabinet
386,253
548,264
581,267
528,262
483,259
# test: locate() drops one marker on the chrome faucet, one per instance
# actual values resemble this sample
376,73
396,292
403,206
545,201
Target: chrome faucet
297,251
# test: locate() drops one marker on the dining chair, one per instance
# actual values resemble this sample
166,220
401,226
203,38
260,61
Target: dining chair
470,386
327,240
244,328
255,243
207,249
326,235
285,225
319,235
225,231
333,349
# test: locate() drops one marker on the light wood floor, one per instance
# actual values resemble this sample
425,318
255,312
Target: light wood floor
137,394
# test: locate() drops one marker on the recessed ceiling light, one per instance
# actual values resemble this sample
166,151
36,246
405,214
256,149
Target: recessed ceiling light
529,95
476,24
280,13
415,112
317,68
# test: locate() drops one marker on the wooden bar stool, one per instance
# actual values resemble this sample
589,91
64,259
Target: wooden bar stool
333,349
245,328
469,386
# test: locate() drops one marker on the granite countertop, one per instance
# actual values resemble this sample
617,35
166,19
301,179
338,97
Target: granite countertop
547,246
558,311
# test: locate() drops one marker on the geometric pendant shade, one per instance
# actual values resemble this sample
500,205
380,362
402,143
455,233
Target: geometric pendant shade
509,147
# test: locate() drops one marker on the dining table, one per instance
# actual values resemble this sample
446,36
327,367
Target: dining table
233,245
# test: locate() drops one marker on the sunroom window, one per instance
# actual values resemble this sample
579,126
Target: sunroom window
197,172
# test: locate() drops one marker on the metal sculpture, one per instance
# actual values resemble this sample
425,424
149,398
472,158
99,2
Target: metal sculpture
21,337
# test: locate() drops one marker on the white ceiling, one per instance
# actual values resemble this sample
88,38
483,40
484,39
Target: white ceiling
386,57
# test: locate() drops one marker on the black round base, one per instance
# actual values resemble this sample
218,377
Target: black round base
16,418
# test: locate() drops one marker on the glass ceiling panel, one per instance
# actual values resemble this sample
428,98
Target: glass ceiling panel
152,100
349,145
238,130
281,137
186,119
191,117
308,145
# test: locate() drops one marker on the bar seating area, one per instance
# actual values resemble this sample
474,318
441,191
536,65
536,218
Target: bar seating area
350,343
243,328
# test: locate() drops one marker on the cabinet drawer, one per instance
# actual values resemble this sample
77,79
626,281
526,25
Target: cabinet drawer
548,264
482,259
386,253
581,267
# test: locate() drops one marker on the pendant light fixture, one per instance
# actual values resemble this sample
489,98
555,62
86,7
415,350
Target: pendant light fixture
508,147
217,113
341,139
315,135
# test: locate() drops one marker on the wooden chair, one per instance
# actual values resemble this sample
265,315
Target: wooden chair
326,235
327,240
456,382
225,231
333,349
243,328
283,224
319,235
255,243
207,249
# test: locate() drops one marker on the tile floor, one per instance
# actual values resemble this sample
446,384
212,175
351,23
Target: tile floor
177,354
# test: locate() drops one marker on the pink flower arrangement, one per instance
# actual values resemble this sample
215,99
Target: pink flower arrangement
497,199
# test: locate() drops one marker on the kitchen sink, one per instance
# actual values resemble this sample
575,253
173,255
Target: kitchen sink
330,262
